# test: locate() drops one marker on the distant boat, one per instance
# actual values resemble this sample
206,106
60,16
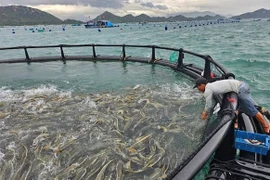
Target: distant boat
99,24
257,20
76,25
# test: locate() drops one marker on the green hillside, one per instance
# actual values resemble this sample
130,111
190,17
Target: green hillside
21,15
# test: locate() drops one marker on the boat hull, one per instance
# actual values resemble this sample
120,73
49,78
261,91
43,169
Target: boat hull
93,26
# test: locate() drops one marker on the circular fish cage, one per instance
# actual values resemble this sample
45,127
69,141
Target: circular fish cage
142,156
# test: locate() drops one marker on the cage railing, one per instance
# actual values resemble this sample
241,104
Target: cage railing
191,69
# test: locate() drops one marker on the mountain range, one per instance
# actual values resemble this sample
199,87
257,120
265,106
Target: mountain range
146,18
261,13
22,15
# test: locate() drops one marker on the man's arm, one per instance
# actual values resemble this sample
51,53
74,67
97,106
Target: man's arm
208,94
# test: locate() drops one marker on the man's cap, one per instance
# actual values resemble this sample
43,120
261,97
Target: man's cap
199,81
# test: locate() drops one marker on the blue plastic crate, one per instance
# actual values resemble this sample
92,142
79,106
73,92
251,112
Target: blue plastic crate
243,142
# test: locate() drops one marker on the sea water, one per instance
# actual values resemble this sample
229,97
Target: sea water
241,47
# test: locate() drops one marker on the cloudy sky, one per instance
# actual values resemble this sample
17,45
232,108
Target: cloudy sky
83,9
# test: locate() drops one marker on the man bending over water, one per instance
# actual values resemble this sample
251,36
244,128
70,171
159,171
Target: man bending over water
230,85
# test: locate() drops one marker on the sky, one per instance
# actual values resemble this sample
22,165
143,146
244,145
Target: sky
90,9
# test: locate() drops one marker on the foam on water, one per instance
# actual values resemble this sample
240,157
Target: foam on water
179,90
1,155
7,94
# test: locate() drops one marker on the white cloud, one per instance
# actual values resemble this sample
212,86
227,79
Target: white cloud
70,11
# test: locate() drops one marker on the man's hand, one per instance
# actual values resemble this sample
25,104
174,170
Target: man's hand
204,115
267,129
